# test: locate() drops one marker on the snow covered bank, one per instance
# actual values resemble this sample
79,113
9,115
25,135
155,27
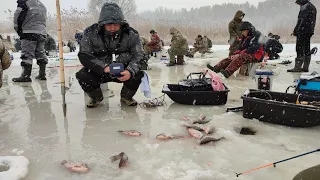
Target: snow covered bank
18,167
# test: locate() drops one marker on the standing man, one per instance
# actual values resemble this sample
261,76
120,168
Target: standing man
304,31
30,23
111,36
179,47
234,31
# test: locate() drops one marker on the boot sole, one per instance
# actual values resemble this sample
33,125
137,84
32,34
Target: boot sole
21,81
42,79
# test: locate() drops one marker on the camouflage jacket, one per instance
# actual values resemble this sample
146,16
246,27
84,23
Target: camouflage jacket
200,43
178,40
235,24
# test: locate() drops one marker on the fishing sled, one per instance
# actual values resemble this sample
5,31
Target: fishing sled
196,91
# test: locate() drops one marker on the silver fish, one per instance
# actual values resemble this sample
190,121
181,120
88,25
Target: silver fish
194,133
207,139
210,129
202,117
123,159
201,121
164,136
198,127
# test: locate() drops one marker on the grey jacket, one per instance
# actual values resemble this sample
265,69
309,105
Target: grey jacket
98,45
30,17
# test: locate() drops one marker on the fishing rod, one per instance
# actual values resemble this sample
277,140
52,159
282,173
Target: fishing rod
275,163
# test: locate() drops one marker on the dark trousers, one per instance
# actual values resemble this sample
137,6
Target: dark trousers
90,81
303,46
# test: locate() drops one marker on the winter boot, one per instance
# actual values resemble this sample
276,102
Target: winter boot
172,63
180,60
42,72
225,73
96,97
213,68
297,66
126,97
25,75
306,63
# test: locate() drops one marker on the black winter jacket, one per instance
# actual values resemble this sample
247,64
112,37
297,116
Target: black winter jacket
306,19
98,45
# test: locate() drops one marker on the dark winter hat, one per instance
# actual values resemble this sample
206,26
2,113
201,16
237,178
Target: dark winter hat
111,13
152,31
246,26
199,36
302,2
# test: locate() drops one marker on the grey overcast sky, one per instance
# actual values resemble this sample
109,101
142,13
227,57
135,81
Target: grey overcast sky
142,5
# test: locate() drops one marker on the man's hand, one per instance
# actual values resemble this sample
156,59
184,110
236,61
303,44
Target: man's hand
126,75
107,69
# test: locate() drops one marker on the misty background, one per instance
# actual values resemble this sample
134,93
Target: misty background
205,17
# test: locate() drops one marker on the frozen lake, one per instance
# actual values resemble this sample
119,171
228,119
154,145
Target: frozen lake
31,120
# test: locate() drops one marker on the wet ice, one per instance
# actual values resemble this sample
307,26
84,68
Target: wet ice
32,121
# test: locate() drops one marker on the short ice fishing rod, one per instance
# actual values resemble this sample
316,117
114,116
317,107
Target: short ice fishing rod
274,164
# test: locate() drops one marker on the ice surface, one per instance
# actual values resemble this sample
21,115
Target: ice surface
18,167
20,152
31,117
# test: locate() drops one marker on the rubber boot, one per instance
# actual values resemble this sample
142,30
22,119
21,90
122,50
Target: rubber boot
213,68
96,97
189,54
297,65
25,75
306,63
42,72
127,96
180,60
225,73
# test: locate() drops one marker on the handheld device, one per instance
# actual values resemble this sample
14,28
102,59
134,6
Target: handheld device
116,68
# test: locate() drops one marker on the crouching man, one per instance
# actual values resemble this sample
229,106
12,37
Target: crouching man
250,51
111,35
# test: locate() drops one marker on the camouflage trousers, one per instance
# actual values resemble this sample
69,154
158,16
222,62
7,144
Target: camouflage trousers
173,52
233,63
201,50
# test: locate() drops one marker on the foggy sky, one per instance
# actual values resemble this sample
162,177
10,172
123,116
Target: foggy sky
142,5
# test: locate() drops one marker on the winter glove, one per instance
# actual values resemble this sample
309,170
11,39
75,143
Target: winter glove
293,34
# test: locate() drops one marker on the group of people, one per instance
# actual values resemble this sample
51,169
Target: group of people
202,45
113,35
248,45
178,47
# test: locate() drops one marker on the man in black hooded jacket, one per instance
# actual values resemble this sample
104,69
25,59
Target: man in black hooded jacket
111,35
304,31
